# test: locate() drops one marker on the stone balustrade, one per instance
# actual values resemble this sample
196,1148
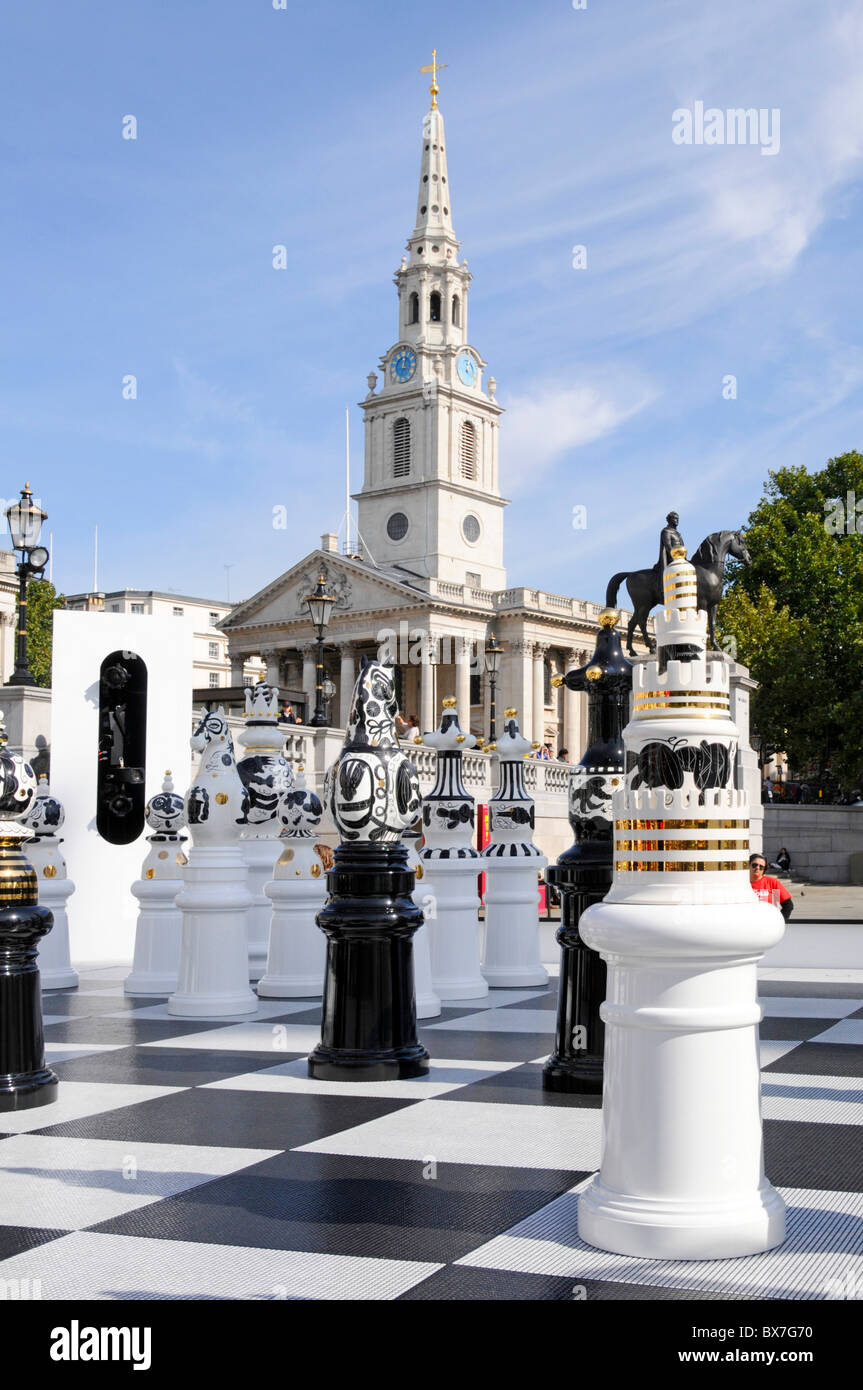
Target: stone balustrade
317,749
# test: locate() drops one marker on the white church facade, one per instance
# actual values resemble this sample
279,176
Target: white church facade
426,574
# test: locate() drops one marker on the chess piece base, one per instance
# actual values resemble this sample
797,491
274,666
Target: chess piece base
368,1031
681,1230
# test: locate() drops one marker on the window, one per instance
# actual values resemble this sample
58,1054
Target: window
414,308
475,689
468,451
401,448
397,526
546,682
471,529
115,607
178,611
137,607
473,581
434,306
214,651
214,679
214,620
456,311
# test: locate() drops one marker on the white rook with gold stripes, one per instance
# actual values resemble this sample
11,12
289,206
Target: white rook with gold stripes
682,932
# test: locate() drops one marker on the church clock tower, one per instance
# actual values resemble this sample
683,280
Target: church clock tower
430,501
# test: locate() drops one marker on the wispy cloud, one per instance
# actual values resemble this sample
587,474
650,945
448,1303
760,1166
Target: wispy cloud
550,420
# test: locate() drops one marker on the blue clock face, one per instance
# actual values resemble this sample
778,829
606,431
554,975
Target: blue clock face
403,365
467,368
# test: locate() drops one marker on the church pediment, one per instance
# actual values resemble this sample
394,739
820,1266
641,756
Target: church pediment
357,589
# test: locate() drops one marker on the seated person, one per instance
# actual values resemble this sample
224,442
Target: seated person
782,862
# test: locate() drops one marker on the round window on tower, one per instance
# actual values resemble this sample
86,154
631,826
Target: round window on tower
471,529
397,526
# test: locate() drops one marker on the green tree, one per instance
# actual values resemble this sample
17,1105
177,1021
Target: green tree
42,599
796,614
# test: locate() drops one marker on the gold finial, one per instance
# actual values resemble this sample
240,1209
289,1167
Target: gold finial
510,713
609,617
593,673
450,702
679,552
459,738
434,67
418,739
557,682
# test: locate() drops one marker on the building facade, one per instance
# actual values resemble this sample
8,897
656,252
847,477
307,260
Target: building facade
425,584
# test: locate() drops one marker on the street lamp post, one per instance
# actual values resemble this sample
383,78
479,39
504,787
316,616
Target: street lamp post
320,604
493,654
25,519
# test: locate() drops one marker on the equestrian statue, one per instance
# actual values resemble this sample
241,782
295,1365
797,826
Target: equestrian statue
645,586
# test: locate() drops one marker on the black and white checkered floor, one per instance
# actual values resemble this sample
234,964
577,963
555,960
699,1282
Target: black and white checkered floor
196,1160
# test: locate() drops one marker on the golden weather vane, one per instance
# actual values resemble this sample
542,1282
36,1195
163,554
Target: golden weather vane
434,67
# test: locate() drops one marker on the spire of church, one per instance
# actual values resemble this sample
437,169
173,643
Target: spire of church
433,239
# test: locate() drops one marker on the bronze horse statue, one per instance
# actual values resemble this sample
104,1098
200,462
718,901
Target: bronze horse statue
645,586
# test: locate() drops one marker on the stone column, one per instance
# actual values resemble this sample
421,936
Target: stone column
237,663
538,702
520,693
462,679
308,650
571,701
347,677
427,693
273,660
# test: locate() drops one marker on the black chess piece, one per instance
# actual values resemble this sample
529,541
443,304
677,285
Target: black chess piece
583,873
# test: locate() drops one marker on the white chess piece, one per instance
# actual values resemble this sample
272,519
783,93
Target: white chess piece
298,948
160,922
45,818
213,979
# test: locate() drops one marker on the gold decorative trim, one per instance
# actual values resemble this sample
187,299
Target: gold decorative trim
664,845
677,694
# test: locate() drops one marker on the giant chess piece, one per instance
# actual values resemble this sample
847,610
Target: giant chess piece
451,865
213,979
45,818
682,1173
159,928
428,1003
372,791
25,1080
511,861
297,953
266,774
583,873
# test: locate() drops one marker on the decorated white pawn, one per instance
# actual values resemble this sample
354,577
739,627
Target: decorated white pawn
428,1003
512,861
298,948
450,867
45,817
266,774
160,922
213,978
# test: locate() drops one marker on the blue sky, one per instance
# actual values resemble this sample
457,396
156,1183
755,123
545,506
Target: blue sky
302,126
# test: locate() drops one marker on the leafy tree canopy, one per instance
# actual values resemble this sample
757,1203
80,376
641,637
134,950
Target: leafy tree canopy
42,599
796,614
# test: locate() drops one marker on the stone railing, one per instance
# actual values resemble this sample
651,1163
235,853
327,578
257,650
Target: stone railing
547,781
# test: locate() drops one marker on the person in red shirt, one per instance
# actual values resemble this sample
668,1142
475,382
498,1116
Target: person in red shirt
769,889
